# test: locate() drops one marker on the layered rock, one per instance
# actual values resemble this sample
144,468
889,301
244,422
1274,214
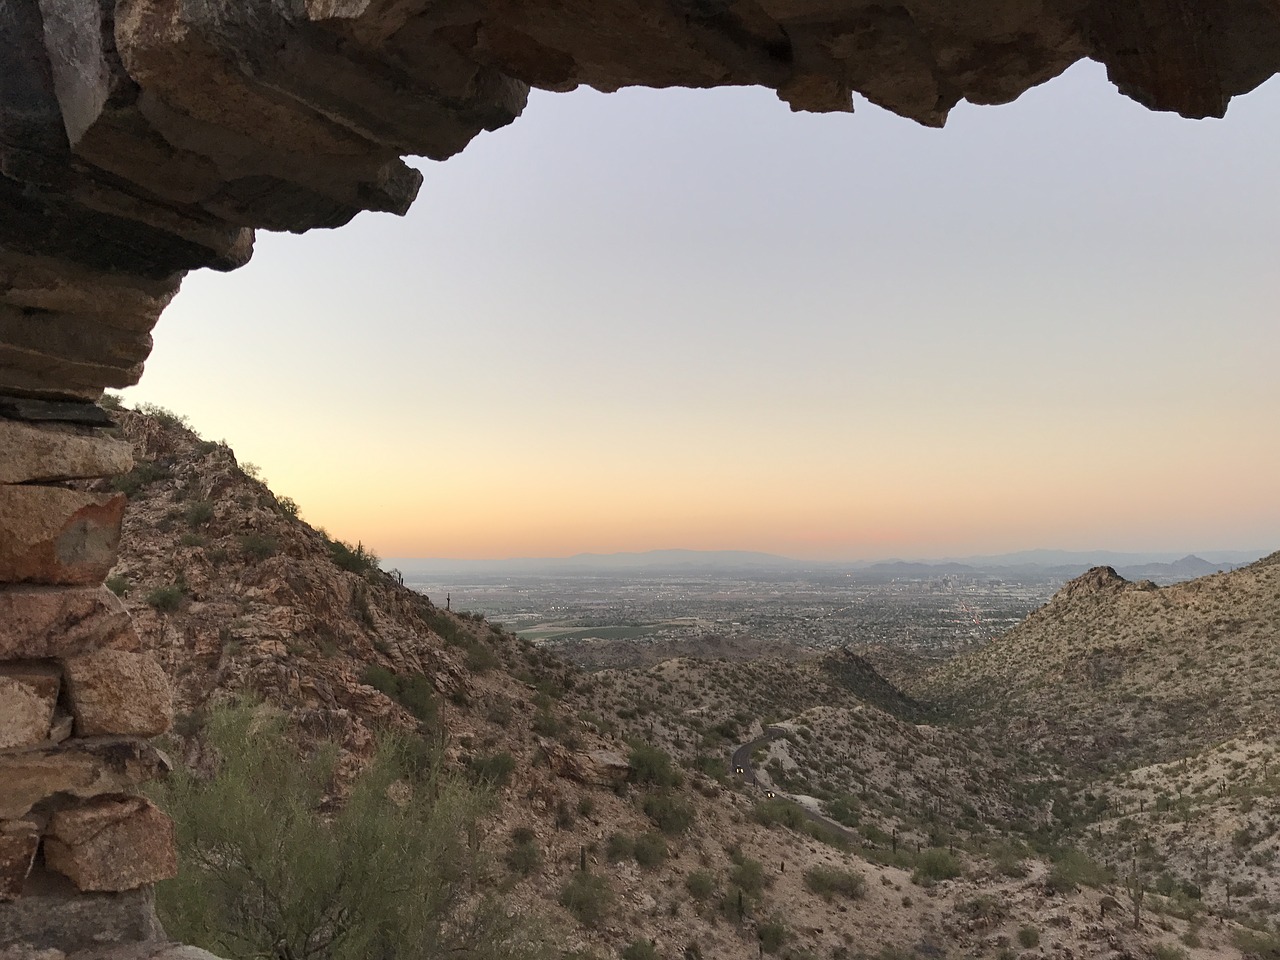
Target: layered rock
77,698
140,139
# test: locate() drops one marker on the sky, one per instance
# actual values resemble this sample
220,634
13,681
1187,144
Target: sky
657,319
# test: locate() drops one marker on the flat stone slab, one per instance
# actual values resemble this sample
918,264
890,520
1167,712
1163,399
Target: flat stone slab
76,768
58,536
118,692
55,411
43,454
28,700
38,622
52,915
112,844
19,840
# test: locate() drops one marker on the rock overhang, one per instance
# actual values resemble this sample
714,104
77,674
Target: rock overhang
140,139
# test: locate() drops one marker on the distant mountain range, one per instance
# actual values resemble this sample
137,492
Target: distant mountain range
1065,564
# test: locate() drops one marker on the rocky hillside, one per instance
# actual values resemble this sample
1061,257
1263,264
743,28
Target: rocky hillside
238,596
1119,674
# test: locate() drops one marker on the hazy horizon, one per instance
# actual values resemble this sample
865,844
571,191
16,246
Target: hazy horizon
684,316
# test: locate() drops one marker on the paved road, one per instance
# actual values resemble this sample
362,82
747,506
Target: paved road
741,760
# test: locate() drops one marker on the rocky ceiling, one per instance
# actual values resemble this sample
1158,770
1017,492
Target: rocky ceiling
140,139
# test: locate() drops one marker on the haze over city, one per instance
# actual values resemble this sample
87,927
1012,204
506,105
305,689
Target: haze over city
695,319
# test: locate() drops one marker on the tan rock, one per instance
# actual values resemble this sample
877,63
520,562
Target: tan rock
57,536
19,840
118,692
112,844
77,768
600,768
42,621
42,454
28,698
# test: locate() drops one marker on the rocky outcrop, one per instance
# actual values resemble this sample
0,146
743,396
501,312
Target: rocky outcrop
144,138
77,698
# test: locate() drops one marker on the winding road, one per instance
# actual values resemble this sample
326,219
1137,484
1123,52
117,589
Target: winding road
740,766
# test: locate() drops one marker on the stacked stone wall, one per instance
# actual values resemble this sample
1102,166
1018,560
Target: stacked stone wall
79,699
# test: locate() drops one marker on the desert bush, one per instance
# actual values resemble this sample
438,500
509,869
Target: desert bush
748,876
640,950
1028,937
258,546
268,872
651,766
523,855
935,864
144,473
772,935
587,896
199,513
358,559
671,814
167,599
413,691
1072,869
650,849
829,882
118,585
619,847
701,885
494,769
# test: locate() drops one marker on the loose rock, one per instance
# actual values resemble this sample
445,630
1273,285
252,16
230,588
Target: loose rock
28,698
118,692
112,844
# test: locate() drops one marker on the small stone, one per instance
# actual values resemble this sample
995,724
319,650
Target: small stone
118,692
28,698
19,840
63,724
29,453
112,844
58,536
77,768
37,622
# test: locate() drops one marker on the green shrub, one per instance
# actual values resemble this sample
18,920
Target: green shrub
828,882
413,691
640,950
357,559
772,934
1257,943
587,896
144,473
652,766
166,416
1169,951
619,847
748,876
935,864
268,866
167,599
494,769
701,885
258,546
672,815
650,849
199,513
1072,869
118,585
523,856
1028,937
288,507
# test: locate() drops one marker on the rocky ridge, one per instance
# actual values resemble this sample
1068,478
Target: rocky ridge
235,595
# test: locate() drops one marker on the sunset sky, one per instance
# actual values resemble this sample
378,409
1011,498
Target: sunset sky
695,319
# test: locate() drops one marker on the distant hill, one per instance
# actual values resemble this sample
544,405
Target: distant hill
1038,564
1118,672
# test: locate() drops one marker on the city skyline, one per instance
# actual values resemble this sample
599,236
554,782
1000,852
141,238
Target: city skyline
692,318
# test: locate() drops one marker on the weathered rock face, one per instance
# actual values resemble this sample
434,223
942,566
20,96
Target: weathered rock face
143,138
39,621
118,692
112,844
77,768
52,535
28,701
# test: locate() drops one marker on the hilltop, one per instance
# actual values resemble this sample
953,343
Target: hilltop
903,850
1117,673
